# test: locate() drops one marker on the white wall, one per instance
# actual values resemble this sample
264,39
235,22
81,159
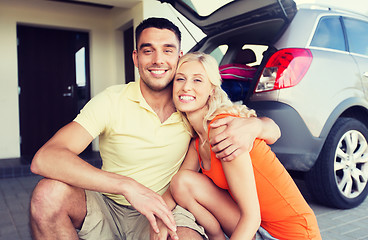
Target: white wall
9,121
101,25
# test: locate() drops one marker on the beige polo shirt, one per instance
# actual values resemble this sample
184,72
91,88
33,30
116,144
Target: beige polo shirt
132,140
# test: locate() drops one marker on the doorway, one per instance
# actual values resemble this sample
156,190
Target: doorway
128,49
54,82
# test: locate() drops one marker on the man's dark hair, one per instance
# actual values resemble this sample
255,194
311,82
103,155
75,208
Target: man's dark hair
160,23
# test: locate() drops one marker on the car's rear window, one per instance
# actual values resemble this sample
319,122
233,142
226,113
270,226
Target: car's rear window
329,34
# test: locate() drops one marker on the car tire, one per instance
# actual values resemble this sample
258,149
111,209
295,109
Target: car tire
339,177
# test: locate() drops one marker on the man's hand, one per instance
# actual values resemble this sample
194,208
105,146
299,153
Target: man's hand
239,135
151,205
164,232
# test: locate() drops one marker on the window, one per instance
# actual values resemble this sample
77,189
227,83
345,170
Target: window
80,67
219,52
329,34
258,50
357,32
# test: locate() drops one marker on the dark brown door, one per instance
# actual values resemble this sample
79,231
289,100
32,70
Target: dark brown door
49,96
129,47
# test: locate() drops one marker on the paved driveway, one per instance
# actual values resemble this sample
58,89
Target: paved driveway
14,204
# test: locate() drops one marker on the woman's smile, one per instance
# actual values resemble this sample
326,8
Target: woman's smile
186,98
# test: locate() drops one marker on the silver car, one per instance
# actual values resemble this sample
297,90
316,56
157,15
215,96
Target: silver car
310,75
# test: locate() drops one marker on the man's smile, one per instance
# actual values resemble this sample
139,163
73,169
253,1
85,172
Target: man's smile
157,72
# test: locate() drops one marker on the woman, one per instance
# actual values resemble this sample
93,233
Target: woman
232,197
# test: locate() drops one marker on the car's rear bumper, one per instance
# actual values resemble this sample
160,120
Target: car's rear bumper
297,149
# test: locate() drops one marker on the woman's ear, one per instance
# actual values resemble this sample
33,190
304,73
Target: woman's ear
213,91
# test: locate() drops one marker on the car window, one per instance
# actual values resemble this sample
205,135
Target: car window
357,32
258,50
219,52
329,34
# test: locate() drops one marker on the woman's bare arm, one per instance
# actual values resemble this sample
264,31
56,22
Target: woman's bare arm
240,177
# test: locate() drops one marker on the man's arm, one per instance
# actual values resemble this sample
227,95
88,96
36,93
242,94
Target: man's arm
58,159
240,133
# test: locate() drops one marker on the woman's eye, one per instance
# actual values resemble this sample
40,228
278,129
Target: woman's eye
198,80
180,79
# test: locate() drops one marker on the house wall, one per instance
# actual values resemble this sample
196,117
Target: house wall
104,51
105,27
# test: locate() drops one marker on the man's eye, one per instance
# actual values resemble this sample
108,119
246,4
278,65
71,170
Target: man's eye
168,50
147,51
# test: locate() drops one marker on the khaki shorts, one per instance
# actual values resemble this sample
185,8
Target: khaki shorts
106,219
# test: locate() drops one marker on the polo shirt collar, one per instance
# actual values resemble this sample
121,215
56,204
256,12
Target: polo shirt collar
134,94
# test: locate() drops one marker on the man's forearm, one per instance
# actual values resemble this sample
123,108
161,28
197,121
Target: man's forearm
270,130
64,165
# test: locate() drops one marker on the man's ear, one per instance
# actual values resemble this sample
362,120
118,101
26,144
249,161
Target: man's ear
135,58
181,53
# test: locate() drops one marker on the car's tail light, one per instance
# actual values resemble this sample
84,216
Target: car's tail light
284,69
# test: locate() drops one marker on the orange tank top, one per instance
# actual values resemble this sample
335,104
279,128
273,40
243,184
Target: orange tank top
284,212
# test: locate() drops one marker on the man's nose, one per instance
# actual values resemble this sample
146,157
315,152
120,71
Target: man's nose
159,57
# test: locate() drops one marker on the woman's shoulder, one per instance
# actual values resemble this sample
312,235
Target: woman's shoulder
222,115
214,131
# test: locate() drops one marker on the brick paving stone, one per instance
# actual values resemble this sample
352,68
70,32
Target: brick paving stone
335,224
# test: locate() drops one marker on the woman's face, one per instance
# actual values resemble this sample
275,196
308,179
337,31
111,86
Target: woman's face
192,87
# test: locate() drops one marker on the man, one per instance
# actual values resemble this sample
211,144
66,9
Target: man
142,144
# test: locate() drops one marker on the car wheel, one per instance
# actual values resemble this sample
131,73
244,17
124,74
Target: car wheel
339,177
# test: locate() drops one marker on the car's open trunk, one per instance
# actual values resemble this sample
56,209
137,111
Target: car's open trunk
236,26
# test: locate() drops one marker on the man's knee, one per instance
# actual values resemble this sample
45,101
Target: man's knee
51,198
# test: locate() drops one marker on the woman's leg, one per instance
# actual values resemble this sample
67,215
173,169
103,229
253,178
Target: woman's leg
209,204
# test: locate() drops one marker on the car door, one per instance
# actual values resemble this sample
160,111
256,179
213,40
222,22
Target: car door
357,34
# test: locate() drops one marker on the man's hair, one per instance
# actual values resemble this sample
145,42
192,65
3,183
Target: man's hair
160,23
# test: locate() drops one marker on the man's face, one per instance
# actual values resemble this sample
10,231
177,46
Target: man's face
156,57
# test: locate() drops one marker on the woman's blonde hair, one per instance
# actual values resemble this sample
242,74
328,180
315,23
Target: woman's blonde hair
218,102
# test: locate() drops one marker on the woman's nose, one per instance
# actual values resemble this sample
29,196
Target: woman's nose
187,85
